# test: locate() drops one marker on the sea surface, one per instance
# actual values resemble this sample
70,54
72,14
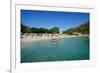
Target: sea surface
65,49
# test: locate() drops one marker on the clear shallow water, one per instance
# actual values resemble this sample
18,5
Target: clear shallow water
65,49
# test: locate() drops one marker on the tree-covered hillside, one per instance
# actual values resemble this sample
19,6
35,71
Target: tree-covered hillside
83,29
26,29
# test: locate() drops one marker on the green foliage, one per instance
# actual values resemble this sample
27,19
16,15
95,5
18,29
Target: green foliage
69,31
26,29
39,30
55,30
83,29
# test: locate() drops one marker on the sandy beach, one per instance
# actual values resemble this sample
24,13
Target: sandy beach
46,37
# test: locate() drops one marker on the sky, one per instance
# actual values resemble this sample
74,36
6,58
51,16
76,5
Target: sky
50,19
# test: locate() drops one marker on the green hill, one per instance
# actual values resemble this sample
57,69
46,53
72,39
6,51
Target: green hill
26,29
82,29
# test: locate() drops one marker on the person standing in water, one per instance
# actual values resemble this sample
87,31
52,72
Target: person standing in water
53,38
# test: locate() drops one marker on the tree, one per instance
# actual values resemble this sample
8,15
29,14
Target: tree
25,29
39,30
69,31
34,30
83,29
54,30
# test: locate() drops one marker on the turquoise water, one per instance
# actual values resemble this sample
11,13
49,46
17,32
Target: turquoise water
65,49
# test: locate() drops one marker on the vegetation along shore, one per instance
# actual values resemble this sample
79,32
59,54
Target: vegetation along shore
35,34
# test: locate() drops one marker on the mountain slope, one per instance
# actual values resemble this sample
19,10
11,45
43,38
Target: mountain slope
83,29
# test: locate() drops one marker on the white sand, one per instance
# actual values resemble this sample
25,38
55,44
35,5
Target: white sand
39,38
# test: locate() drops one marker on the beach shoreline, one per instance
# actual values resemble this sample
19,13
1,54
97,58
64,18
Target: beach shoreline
40,38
